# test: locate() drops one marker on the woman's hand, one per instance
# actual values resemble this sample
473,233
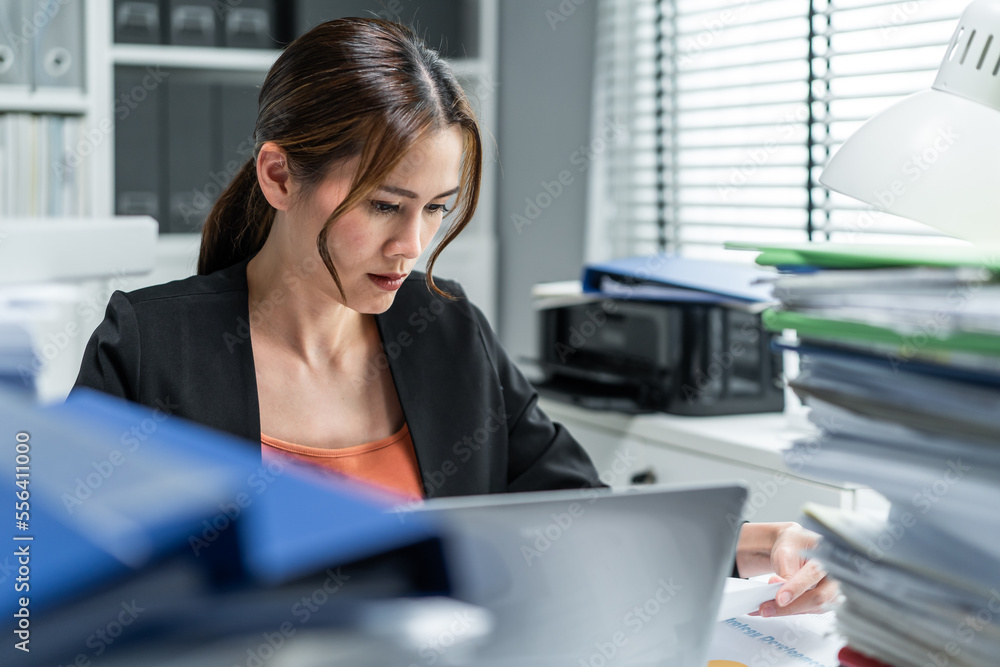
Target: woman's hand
778,547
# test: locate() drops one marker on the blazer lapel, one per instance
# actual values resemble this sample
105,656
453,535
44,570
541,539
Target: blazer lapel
439,394
244,396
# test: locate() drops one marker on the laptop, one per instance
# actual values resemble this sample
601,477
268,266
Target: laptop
591,578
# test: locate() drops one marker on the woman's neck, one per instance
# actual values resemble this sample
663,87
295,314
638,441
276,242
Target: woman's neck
293,303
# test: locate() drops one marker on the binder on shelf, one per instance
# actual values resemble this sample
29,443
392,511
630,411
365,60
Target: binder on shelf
138,158
238,106
193,22
58,57
15,51
250,25
74,192
137,22
447,25
192,176
6,161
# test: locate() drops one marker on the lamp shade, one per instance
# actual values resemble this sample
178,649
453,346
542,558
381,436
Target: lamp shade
934,157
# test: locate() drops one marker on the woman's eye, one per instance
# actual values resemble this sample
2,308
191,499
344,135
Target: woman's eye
434,208
384,207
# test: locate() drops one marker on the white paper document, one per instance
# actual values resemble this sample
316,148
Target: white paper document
742,596
806,640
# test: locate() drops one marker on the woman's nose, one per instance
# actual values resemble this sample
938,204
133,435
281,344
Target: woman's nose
406,239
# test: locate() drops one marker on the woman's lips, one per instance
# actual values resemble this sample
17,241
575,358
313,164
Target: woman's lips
390,282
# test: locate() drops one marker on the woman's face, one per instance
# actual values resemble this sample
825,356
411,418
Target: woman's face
375,245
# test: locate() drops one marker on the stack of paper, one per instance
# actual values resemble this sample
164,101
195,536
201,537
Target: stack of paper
900,363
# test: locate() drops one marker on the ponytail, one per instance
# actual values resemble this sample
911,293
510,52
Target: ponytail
238,223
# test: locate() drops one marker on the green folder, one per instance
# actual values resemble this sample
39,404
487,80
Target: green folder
840,330
871,256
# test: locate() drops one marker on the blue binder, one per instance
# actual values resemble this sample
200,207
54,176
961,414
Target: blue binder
115,488
680,279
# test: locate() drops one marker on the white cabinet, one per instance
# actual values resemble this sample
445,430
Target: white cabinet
741,448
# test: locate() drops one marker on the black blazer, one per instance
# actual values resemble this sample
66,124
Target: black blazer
476,427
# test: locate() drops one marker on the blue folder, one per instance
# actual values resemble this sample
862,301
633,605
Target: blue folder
685,279
116,487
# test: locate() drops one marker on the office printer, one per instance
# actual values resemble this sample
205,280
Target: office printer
660,334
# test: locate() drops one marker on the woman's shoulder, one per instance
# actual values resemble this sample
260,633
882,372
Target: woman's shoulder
228,281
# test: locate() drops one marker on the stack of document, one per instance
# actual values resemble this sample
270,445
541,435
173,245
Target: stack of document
900,363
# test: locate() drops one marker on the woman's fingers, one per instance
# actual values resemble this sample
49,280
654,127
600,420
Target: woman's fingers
805,579
814,600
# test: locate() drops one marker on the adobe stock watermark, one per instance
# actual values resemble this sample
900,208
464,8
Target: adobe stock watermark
104,468
987,616
419,321
924,501
462,452
103,637
104,128
712,28
543,537
435,649
213,527
898,16
56,342
196,203
762,492
597,317
291,278
302,610
721,362
562,12
913,169
32,25
634,620
916,166
581,159
936,325
760,156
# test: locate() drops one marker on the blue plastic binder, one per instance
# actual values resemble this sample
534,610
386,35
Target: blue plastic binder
116,487
678,279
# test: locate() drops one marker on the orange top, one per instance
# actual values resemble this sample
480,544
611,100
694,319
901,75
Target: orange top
389,463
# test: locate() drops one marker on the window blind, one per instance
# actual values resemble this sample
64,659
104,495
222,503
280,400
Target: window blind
726,112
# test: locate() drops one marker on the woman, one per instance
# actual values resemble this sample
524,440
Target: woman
357,363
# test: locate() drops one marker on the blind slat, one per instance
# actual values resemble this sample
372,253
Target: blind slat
732,118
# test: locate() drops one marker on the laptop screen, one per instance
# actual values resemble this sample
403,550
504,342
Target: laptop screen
593,578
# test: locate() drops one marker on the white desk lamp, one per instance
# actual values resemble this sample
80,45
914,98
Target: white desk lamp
934,157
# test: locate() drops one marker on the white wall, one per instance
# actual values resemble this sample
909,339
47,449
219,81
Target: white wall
545,74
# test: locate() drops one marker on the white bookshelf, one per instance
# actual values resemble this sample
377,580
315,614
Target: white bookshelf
194,57
471,259
71,103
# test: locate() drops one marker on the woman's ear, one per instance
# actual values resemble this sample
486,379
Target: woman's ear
274,177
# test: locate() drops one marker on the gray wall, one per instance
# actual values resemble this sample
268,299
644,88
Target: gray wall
545,81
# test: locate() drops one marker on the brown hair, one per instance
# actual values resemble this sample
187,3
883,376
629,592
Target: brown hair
349,88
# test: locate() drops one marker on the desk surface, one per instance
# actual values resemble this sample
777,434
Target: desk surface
753,439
